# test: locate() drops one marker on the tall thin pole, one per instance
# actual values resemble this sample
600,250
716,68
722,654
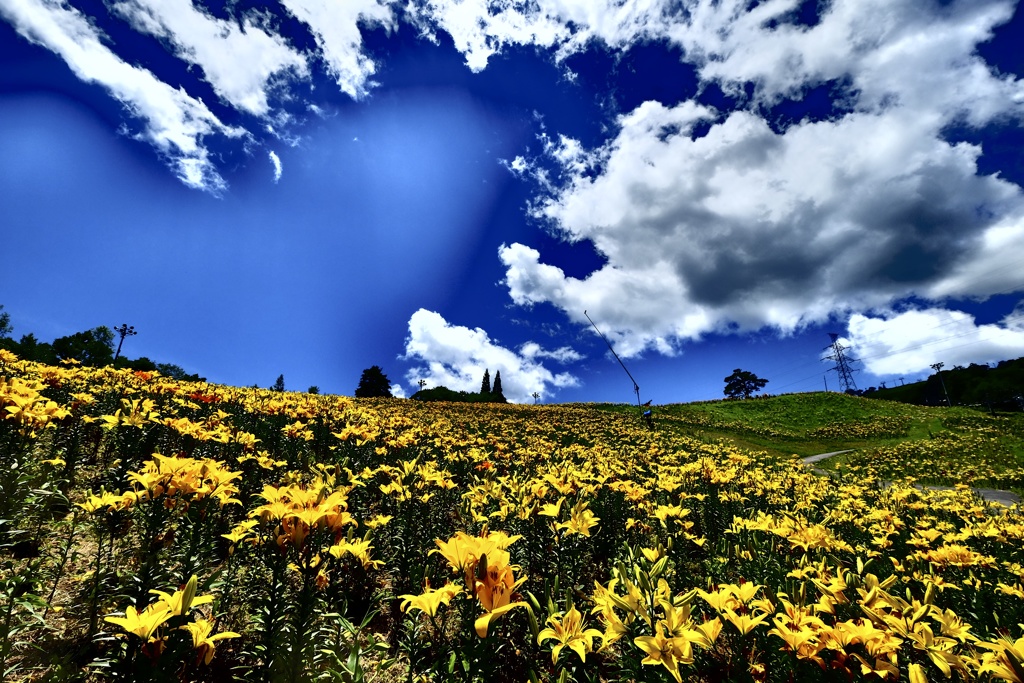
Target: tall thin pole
938,371
125,330
636,387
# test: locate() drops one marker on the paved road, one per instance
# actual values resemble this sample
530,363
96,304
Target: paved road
822,456
1006,498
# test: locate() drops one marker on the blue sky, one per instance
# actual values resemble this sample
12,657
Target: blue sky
437,187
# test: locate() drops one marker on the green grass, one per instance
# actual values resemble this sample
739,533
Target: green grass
812,423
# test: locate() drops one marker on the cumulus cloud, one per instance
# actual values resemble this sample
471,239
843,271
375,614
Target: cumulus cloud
276,161
240,60
714,221
456,357
335,26
173,122
895,52
911,341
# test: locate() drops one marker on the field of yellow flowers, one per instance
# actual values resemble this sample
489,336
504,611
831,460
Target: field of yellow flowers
153,530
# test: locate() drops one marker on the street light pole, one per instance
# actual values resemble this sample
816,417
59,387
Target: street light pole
125,331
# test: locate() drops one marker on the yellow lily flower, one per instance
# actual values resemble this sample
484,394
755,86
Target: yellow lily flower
745,623
660,650
569,632
182,601
143,624
494,587
581,521
430,599
552,509
202,641
483,621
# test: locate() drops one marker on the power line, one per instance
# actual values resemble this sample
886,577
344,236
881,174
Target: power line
636,387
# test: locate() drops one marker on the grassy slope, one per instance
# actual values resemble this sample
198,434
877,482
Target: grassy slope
807,424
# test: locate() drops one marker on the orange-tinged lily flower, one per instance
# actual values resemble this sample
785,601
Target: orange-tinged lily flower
494,587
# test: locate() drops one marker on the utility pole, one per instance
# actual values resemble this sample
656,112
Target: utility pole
125,331
636,387
825,377
901,381
536,397
422,383
937,367
842,363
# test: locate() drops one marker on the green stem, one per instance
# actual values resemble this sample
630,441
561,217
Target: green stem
302,619
94,598
65,554
5,650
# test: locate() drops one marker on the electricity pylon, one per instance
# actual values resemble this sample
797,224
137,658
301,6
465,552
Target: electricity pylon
842,363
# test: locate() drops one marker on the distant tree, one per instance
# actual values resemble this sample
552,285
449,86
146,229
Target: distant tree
496,390
93,347
313,390
373,383
30,348
177,372
485,386
142,363
5,323
450,395
742,383
278,384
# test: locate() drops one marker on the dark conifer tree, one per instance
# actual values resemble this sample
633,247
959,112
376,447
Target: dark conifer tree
485,386
497,384
373,383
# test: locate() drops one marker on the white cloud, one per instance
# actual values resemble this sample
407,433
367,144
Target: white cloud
335,26
276,161
895,52
244,60
456,357
173,122
481,28
517,165
910,342
397,390
240,60
746,226
564,354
